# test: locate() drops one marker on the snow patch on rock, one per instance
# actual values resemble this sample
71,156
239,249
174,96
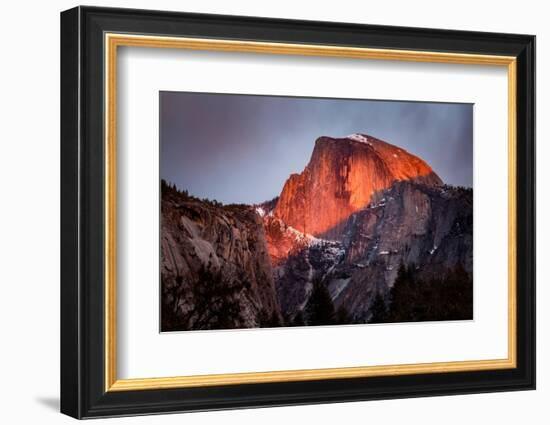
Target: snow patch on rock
359,138
260,211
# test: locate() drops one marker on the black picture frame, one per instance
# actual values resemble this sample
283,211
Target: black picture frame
83,392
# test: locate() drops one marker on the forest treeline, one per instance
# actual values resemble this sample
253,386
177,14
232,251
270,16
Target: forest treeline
411,299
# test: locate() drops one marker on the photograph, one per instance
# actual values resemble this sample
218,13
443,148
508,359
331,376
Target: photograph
282,211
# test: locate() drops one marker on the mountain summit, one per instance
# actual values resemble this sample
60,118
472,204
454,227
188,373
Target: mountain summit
343,176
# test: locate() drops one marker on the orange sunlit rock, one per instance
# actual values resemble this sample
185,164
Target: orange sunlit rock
342,176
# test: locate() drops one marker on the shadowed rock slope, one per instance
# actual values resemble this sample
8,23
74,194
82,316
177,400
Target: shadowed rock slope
215,268
427,227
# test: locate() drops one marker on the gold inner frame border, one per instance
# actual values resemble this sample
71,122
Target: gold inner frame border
114,40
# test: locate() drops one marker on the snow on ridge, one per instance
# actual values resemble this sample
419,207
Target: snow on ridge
359,138
310,240
263,212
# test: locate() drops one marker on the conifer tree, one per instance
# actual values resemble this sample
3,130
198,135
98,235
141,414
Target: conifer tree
378,309
320,308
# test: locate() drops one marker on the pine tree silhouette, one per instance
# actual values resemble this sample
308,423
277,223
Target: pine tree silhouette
446,297
343,317
298,320
320,308
378,309
214,298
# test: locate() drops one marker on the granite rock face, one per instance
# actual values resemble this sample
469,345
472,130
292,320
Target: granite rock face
341,177
429,227
298,259
204,242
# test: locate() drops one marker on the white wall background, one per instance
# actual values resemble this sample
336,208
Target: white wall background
29,216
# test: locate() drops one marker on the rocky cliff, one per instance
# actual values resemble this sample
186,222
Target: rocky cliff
427,227
298,259
341,178
215,268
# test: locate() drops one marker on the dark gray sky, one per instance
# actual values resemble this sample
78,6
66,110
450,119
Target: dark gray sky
242,148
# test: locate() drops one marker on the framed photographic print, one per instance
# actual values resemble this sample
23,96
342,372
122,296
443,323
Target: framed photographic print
261,212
